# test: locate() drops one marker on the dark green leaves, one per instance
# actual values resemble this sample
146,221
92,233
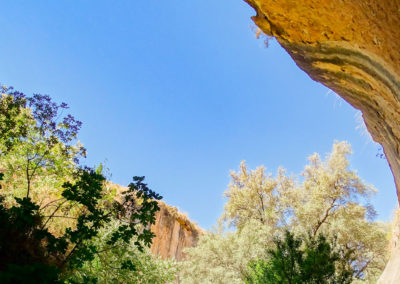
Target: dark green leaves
138,211
12,126
37,138
87,190
297,261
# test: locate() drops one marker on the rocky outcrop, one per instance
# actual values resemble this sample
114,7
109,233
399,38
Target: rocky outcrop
392,270
352,47
174,232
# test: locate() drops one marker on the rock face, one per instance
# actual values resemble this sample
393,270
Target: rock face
392,271
174,232
352,47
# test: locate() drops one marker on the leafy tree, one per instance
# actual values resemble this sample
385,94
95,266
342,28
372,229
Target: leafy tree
222,256
23,224
12,118
51,209
290,263
45,154
328,198
23,258
255,195
333,200
123,263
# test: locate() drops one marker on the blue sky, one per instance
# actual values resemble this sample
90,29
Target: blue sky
181,92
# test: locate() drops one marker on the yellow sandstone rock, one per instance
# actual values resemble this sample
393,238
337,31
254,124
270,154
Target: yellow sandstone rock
352,47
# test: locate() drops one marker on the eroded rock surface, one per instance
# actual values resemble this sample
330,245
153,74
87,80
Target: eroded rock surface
174,232
352,47
392,271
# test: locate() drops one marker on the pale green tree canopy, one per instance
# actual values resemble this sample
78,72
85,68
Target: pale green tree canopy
327,197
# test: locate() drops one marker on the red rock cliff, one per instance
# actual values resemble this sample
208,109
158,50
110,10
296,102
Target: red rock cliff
174,232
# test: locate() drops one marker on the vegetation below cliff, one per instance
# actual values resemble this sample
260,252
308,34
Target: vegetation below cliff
326,211
62,222
356,57
173,233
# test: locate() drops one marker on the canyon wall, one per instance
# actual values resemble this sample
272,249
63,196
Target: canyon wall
392,271
174,232
352,47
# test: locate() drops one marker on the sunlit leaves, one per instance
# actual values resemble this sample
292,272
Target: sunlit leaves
51,209
328,197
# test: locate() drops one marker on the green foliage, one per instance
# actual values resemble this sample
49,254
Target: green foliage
316,262
23,254
43,153
123,263
12,118
51,209
328,198
222,256
138,207
23,224
284,265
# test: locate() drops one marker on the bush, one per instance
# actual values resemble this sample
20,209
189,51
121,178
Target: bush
296,261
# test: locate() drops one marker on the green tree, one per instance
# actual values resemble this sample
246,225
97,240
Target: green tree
295,261
222,256
12,118
328,198
51,208
45,154
123,263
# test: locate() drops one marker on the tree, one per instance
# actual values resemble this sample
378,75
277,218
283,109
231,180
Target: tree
289,263
123,263
51,208
12,118
333,199
255,195
23,224
327,198
223,256
45,154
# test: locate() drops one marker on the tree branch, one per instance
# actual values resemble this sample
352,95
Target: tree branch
319,224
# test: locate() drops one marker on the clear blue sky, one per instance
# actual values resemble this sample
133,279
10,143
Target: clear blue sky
181,92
